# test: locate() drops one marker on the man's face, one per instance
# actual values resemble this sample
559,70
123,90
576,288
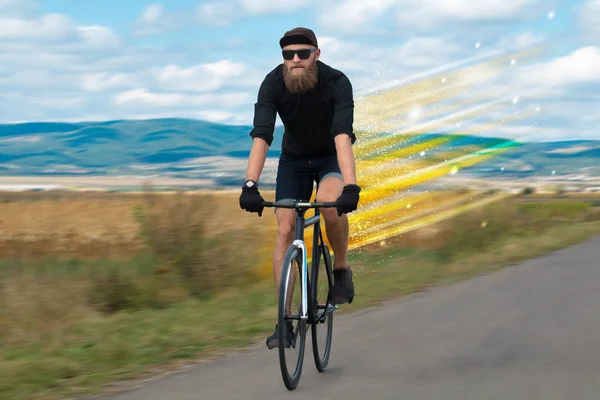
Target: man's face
301,74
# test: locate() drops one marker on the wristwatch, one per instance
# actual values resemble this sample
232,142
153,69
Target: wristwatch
250,183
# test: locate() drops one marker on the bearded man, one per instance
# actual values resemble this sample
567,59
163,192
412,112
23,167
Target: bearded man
316,105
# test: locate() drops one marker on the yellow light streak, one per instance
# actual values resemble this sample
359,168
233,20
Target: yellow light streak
394,151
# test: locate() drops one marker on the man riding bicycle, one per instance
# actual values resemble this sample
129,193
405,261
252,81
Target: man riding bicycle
315,103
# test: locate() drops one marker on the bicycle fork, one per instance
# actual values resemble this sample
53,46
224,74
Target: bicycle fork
302,246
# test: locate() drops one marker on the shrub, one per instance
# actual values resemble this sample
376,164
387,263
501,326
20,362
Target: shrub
113,292
528,191
179,231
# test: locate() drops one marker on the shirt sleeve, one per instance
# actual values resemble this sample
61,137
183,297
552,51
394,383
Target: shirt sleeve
265,112
343,117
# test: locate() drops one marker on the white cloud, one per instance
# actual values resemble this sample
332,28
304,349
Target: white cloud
17,8
224,117
143,98
202,77
581,66
255,7
152,13
468,9
98,36
48,27
341,54
61,103
426,52
35,79
155,19
348,16
53,29
565,88
555,98
217,13
51,68
141,103
374,65
351,15
523,40
589,19
151,21
102,81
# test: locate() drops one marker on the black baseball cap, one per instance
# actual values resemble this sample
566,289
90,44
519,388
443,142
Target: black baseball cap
299,35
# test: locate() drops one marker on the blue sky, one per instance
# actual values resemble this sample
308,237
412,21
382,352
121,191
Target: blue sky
73,60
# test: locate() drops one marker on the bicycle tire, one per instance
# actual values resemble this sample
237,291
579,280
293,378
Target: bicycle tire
321,362
290,380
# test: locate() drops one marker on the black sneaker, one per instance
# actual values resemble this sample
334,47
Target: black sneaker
343,286
273,340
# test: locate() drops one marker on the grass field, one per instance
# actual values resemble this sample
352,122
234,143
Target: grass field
95,288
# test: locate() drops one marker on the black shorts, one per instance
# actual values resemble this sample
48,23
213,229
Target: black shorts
296,176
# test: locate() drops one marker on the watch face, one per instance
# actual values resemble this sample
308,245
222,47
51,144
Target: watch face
249,183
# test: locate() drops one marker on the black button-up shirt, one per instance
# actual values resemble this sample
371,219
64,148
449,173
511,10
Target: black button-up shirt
311,119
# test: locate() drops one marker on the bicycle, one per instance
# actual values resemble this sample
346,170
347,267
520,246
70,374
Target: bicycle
310,304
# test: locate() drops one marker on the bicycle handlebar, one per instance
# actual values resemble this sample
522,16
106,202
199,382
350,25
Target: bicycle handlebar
299,204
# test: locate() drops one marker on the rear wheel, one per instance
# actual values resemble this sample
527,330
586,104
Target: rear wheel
322,308
291,356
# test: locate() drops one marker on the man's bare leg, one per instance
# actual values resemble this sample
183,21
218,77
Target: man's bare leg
330,188
285,236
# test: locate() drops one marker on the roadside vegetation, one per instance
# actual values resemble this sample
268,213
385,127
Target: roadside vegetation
188,282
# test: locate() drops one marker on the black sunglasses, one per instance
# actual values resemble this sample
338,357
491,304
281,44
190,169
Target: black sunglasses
303,54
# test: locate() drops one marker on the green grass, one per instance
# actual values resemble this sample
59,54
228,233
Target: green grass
58,339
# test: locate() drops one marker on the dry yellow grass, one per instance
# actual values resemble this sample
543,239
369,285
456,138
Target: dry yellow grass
94,225
68,227
103,225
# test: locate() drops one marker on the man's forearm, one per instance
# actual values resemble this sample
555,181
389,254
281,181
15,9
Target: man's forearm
346,159
256,161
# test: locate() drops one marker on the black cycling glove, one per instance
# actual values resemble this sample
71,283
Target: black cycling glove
251,200
348,200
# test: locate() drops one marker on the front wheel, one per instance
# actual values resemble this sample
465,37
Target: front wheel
322,309
291,353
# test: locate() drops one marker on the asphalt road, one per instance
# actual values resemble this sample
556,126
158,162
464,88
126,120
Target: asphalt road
530,331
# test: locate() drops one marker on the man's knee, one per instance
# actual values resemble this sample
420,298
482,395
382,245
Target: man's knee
285,223
329,190
330,187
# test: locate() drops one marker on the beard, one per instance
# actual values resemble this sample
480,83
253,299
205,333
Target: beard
300,80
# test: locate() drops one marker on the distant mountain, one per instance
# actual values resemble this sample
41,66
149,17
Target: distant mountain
187,148
35,147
